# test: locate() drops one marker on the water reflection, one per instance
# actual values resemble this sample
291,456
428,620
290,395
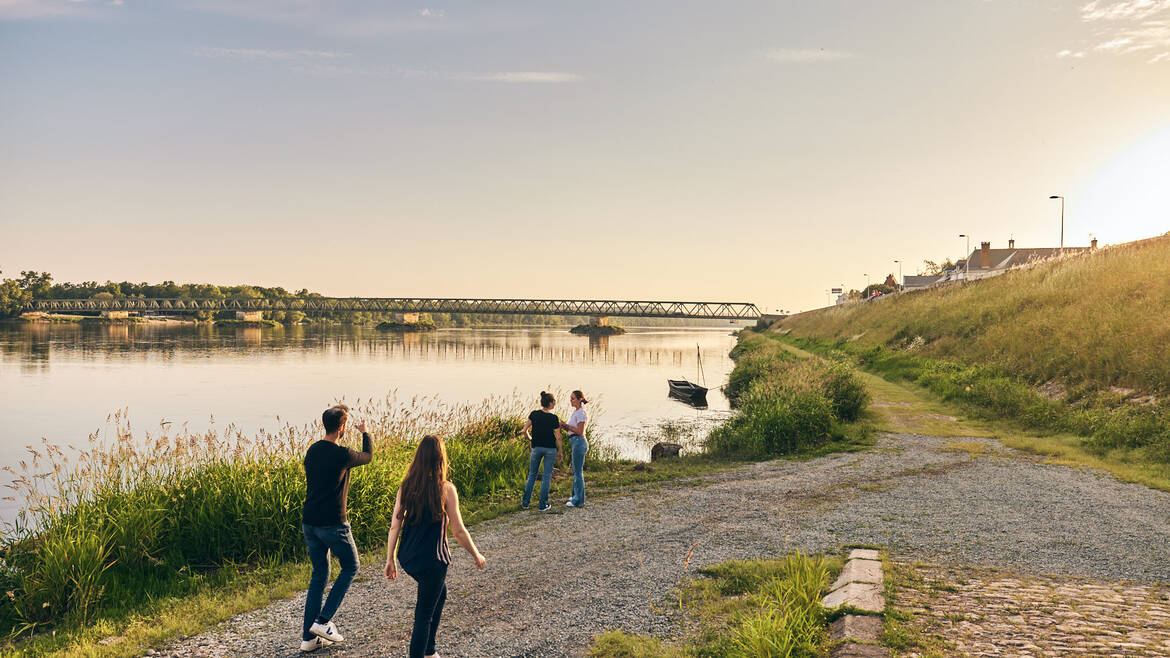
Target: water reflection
67,378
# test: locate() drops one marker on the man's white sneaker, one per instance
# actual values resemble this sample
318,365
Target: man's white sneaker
570,504
313,644
326,632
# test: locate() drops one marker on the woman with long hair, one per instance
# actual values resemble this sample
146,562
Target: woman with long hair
425,505
578,446
543,430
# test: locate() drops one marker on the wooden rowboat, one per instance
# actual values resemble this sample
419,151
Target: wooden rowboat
685,390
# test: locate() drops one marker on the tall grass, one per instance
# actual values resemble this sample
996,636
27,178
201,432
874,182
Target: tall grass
785,405
1099,320
139,516
748,609
1106,420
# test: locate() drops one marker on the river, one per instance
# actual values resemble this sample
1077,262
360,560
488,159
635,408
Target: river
60,382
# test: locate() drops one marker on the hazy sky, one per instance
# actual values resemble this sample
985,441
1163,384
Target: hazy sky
754,151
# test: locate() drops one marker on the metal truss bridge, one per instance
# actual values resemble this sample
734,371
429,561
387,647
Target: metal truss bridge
321,305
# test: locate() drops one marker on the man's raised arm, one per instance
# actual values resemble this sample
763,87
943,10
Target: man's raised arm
358,458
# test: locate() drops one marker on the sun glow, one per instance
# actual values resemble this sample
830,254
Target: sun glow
1128,198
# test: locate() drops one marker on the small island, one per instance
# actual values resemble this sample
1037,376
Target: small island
597,330
405,327
248,324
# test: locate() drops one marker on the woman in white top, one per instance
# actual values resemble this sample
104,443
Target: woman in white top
578,446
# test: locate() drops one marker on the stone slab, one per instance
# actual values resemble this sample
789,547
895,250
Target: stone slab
864,554
859,571
861,628
852,650
863,596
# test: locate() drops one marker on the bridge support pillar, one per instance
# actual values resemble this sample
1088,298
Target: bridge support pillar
599,320
116,315
250,316
406,318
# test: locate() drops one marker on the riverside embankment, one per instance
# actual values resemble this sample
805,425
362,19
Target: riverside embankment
1079,346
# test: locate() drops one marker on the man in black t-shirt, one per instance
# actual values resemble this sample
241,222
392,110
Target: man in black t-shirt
325,524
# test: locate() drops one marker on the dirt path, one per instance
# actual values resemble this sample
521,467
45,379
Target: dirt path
555,580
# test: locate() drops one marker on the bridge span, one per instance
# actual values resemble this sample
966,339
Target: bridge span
597,308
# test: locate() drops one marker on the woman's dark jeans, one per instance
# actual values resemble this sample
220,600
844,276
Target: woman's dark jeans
428,607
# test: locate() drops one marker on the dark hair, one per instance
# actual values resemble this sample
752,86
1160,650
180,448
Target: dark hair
422,488
581,397
333,418
546,399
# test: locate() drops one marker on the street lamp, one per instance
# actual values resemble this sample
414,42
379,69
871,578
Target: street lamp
900,284
967,257
866,280
1057,196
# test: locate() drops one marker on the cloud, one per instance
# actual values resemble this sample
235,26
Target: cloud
806,55
1129,26
1069,53
1123,10
260,55
432,13
538,77
325,63
1161,57
1115,44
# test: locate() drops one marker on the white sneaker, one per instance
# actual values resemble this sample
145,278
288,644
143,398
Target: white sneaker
571,504
326,632
546,508
313,644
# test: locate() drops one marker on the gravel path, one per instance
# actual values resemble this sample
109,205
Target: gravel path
555,580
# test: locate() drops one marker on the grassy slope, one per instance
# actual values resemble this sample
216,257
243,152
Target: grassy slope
1101,319
906,408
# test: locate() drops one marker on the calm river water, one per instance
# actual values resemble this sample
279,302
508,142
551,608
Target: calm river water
60,382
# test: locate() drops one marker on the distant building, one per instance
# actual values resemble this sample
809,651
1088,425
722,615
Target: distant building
985,261
916,282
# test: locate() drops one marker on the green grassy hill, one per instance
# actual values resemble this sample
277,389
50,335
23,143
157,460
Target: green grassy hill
1097,320
1077,345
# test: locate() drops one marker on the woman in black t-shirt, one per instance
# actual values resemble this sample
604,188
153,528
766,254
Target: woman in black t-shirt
543,429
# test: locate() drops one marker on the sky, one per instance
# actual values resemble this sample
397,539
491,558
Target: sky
632,149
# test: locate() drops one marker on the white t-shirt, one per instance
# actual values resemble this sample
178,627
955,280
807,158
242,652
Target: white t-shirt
579,418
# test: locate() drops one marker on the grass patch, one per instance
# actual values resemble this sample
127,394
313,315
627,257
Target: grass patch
787,403
906,406
899,632
744,608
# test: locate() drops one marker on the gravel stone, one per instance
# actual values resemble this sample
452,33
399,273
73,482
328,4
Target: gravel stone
553,581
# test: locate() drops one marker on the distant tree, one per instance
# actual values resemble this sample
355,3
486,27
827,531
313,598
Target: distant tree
880,288
37,284
12,298
931,268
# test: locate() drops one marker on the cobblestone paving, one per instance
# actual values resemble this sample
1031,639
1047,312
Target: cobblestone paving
985,612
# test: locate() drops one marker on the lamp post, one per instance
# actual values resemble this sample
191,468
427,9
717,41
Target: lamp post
867,280
1057,196
966,257
900,285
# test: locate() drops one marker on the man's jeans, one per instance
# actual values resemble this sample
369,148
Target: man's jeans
579,446
321,540
549,455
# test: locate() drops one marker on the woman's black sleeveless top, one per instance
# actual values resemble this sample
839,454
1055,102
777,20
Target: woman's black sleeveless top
424,546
